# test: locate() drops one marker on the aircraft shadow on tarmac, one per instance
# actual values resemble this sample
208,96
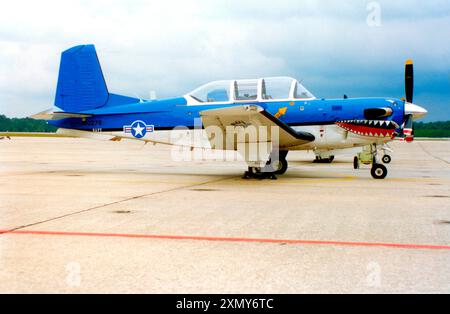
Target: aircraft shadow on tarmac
295,173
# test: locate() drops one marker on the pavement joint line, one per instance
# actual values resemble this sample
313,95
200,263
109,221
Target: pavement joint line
430,154
113,203
231,239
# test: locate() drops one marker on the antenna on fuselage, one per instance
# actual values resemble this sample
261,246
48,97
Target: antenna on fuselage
137,96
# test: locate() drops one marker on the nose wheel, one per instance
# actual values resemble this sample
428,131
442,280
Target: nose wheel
378,171
386,159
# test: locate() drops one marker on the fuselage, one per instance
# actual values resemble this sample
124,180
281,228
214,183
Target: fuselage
167,117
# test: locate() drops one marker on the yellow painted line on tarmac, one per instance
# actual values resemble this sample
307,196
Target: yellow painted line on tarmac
411,180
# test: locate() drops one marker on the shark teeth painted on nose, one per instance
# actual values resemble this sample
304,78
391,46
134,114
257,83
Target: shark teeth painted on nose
369,128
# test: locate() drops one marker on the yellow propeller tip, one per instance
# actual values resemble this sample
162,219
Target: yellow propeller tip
409,62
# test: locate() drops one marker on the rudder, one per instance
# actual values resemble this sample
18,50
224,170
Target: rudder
81,85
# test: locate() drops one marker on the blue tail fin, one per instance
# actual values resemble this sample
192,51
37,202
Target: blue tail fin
81,85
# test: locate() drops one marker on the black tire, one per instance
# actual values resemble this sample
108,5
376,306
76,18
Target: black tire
386,159
378,171
282,167
355,163
324,160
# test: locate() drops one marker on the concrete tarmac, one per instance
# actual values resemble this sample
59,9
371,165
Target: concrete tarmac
86,216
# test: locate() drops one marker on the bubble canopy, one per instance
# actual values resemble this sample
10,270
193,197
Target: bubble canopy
264,90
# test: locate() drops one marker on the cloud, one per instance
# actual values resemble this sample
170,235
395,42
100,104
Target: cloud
174,46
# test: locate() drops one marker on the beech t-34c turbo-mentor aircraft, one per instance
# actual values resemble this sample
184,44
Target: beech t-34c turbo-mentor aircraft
262,119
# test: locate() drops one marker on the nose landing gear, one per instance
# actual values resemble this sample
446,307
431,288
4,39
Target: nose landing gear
369,156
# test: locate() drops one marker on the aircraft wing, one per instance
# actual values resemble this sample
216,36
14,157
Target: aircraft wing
240,118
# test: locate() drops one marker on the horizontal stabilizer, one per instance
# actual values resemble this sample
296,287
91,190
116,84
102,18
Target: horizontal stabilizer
49,115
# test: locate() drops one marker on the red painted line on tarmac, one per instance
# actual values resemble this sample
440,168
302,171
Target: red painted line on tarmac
224,239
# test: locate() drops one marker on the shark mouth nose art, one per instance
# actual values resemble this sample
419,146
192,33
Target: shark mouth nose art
370,128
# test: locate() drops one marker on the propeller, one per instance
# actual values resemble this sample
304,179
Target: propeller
412,111
408,129
409,81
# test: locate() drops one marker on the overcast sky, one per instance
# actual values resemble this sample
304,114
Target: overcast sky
352,47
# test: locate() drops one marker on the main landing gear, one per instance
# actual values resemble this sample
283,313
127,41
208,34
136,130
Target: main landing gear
277,165
369,156
320,160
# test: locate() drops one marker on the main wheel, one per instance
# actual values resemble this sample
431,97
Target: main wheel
378,171
320,160
386,159
281,166
355,163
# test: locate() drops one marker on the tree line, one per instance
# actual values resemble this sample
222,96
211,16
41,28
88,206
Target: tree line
24,125
422,129
432,129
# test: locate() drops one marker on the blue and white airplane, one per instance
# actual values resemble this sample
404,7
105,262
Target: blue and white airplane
276,114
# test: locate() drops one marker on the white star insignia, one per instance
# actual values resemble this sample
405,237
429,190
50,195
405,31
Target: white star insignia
138,130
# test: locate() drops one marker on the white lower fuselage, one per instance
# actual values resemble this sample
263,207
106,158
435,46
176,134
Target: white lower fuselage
327,138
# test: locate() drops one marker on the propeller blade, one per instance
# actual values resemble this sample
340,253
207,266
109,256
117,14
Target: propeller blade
408,129
409,81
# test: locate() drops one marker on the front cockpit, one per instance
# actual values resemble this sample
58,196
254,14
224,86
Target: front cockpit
255,90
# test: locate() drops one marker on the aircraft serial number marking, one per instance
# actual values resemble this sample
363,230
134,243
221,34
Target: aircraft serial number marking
92,122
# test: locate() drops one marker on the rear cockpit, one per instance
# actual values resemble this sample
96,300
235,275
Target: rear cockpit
256,90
